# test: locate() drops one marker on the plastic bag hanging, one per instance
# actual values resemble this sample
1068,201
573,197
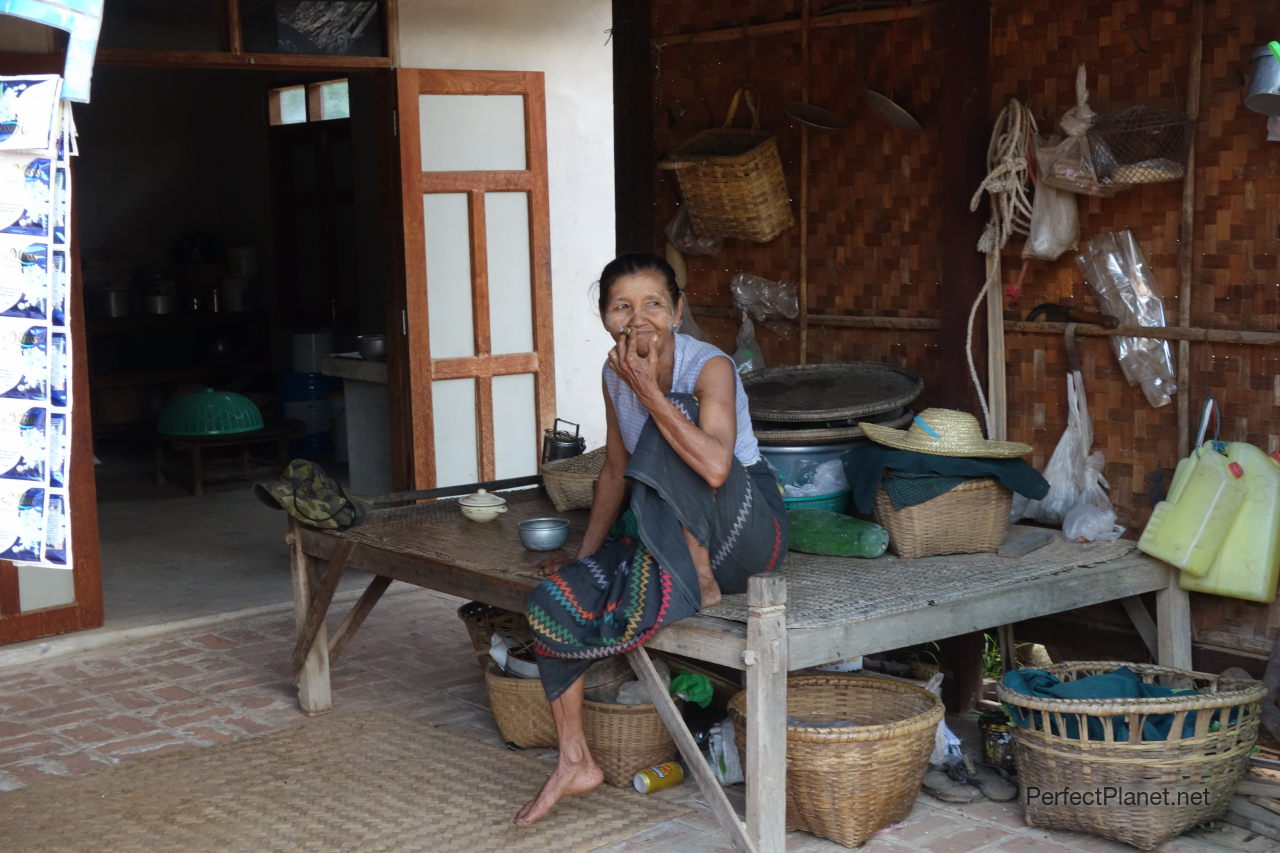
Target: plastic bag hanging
1069,165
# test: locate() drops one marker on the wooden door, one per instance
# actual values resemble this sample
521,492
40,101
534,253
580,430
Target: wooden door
477,372
83,607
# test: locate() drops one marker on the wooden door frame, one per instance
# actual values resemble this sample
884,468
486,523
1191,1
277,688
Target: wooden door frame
85,611
412,333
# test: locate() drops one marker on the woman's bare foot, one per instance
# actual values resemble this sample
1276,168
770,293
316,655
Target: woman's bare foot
567,779
707,586
710,593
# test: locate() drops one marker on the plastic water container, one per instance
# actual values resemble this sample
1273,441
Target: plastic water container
1248,562
1187,529
305,397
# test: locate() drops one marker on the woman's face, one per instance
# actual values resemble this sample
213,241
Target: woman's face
641,302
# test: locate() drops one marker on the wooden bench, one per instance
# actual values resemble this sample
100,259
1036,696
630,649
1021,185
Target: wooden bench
279,433
814,610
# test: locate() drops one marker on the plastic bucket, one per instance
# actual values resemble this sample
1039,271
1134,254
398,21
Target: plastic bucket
1264,88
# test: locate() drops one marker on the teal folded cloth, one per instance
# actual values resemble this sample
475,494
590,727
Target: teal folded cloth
906,490
1122,683
865,466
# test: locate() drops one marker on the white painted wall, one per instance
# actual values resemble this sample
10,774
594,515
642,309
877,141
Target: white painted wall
565,39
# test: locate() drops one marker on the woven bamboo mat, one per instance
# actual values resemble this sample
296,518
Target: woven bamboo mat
345,782
825,590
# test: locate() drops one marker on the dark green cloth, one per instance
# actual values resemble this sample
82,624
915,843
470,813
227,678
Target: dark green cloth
865,466
910,489
1122,683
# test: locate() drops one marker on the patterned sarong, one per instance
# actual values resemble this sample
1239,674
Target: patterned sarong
615,599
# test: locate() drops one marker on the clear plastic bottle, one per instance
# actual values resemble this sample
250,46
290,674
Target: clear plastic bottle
1248,562
1187,529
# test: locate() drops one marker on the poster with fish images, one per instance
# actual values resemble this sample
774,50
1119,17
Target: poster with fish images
24,441
26,277
35,338
24,360
29,111
26,194
22,522
34,525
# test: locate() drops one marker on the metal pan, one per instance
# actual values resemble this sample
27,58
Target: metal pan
816,116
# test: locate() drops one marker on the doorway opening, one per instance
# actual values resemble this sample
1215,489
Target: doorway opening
221,250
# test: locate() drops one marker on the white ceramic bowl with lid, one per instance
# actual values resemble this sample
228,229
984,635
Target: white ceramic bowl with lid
482,506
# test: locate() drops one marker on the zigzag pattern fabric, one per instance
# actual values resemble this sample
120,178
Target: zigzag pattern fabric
615,599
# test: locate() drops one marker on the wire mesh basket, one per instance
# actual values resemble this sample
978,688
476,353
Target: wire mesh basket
1141,145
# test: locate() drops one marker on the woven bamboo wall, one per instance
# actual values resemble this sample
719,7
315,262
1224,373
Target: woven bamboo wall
873,211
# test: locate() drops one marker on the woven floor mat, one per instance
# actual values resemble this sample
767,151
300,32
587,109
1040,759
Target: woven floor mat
348,782
825,590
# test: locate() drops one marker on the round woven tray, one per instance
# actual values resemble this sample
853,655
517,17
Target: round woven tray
776,435
829,392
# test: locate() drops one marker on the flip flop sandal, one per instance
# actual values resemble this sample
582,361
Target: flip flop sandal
938,784
993,785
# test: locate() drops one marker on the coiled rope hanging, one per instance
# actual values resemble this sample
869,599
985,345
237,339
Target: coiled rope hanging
1006,185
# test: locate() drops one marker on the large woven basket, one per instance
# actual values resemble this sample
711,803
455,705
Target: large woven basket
625,739
1140,792
732,180
485,620
969,519
571,483
846,782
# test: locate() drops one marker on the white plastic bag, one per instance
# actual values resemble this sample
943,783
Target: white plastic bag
747,356
1066,469
722,753
1055,224
1092,517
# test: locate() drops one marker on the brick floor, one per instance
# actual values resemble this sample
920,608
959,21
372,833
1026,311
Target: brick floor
85,711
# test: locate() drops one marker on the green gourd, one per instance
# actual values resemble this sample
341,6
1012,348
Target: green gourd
833,534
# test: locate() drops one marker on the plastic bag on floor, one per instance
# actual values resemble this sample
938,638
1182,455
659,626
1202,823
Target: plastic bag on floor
722,753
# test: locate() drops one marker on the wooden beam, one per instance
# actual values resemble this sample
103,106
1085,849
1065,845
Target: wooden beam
514,181
321,596
1186,231
720,806
314,695
356,615
1144,624
485,365
766,663
931,324
633,126
840,19
966,127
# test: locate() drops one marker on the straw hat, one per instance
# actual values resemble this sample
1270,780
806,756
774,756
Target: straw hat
944,432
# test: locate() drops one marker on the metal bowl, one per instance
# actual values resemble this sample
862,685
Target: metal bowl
372,346
544,534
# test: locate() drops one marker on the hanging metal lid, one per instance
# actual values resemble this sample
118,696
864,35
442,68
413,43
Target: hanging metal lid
829,392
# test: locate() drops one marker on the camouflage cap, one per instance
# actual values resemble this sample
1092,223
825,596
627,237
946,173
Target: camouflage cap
310,495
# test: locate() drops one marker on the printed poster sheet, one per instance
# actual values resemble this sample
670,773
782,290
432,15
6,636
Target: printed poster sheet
35,344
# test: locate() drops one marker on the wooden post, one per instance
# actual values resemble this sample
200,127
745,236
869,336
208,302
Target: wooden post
313,681
1173,621
960,659
766,666
1186,231
966,126
698,767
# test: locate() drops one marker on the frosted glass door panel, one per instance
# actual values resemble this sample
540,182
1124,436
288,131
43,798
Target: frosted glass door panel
453,403
515,427
469,133
448,275
510,289
40,587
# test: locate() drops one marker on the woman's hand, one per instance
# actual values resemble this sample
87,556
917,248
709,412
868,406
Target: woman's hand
640,372
551,565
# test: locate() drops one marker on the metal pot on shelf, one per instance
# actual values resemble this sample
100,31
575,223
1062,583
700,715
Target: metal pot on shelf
113,302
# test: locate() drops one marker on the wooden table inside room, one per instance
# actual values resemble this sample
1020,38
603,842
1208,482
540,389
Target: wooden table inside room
814,610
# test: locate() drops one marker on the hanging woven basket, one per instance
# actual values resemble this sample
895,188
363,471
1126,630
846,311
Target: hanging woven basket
731,179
